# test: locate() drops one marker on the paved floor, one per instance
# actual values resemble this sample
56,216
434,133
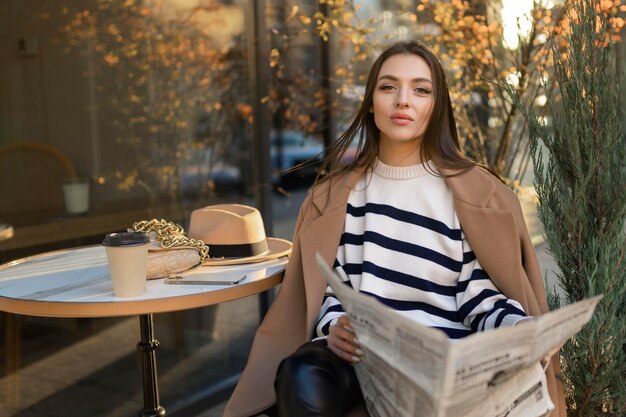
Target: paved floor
82,367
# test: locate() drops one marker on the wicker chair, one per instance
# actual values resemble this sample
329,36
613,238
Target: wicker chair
31,179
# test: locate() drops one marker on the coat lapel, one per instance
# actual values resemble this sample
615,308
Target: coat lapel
490,231
322,234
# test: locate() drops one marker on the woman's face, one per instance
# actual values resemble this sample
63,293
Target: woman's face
402,102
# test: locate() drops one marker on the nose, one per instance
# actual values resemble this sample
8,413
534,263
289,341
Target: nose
402,101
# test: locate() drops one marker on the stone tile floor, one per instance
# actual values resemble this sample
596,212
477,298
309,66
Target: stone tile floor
99,374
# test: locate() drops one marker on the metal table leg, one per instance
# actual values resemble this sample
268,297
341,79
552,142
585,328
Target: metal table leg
148,346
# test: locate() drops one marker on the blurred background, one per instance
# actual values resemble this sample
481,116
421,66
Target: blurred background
113,111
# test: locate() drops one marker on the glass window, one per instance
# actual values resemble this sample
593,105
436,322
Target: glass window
145,104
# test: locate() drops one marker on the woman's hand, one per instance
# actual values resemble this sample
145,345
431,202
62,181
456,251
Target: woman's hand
342,342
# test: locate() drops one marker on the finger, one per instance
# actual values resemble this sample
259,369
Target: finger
344,321
341,332
346,356
343,340
344,334
346,346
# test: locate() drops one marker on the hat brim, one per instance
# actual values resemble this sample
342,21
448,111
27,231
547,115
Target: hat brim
277,248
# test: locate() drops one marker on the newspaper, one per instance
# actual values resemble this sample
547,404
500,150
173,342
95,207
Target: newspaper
408,369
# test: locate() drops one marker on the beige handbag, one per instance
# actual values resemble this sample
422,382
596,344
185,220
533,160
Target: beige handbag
170,251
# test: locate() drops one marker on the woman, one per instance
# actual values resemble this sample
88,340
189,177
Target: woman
410,221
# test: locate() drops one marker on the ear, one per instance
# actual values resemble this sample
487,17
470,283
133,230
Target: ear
371,109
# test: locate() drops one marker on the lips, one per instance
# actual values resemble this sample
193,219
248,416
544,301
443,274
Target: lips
401,119
401,116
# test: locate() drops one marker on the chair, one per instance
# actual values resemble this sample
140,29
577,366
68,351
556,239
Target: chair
32,179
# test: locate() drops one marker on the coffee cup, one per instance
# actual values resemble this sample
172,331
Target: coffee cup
128,259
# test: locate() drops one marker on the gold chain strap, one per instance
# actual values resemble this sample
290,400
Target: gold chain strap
171,235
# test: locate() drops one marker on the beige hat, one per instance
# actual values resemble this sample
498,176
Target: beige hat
235,235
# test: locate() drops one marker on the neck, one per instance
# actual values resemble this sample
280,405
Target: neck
400,154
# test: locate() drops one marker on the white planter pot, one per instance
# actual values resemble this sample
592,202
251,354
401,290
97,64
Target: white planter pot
76,195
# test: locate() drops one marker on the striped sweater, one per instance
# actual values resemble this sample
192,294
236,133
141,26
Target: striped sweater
402,244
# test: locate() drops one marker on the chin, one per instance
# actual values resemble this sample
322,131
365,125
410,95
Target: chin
405,139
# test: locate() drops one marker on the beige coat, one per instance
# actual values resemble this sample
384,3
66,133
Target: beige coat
492,220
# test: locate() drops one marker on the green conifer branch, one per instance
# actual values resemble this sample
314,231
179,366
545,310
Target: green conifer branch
580,180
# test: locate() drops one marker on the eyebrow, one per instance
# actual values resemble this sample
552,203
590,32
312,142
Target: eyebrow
414,80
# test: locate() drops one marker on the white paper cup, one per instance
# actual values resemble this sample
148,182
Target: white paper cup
128,259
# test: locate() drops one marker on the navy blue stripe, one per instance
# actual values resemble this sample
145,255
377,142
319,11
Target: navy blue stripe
338,308
477,274
470,305
468,257
403,247
507,309
353,269
402,305
512,309
334,308
347,282
408,280
501,316
502,306
454,333
327,296
337,265
406,217
491,312
476,321
325,328
351,239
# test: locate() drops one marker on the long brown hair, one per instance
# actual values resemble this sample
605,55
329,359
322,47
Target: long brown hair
440,142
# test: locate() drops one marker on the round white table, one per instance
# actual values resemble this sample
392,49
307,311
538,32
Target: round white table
76,283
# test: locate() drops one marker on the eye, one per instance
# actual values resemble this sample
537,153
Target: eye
421,90
386,87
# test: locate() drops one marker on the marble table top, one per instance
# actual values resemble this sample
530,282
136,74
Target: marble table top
76,283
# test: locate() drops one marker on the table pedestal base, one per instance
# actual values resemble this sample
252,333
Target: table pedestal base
148,346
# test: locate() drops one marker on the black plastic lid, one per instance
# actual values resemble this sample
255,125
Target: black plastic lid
126,239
